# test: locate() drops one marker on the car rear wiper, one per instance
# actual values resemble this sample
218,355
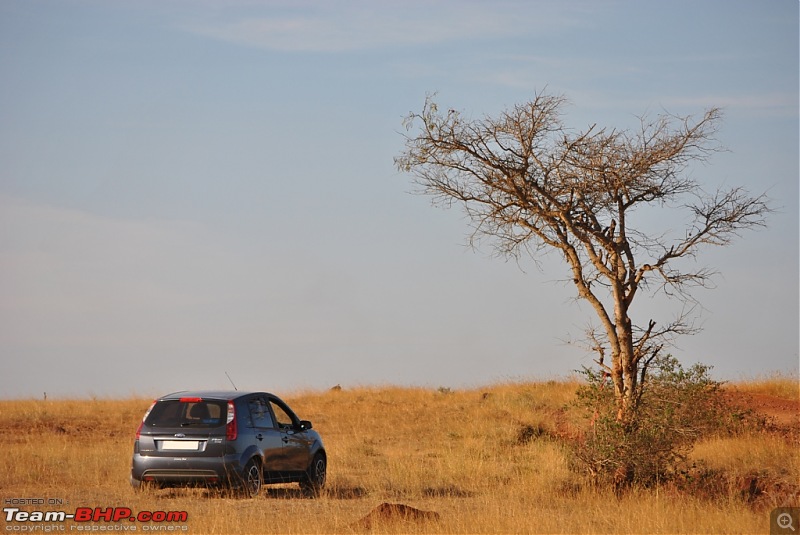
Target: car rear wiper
209,423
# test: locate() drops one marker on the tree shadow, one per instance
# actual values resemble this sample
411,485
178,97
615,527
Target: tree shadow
346,492
333,492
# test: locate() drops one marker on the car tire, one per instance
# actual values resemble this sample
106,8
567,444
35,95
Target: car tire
252,479
316,475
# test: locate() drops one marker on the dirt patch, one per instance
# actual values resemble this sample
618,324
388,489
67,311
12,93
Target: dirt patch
395,512
783,412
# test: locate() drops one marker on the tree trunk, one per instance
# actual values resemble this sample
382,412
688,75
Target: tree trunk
625,365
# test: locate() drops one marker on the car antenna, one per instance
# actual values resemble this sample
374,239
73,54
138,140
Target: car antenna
231,380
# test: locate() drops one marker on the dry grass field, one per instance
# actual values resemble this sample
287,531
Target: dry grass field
487,460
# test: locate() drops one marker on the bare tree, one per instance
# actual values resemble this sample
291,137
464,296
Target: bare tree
532,185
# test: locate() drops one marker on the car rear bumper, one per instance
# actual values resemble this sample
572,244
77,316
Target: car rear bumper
202,470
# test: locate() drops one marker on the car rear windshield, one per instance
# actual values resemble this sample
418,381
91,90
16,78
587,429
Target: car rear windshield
182,413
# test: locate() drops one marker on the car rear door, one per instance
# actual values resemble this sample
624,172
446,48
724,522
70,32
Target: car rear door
185,428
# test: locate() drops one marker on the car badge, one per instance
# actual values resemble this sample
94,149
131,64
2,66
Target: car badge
180,435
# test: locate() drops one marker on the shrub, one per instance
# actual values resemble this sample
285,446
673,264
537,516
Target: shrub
676,408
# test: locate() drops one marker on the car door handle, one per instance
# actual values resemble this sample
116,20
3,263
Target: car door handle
285,440
260,436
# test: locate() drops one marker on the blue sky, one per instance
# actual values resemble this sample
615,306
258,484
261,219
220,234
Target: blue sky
194,187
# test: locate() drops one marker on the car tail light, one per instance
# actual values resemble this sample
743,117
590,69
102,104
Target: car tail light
146,414
190,400
231,432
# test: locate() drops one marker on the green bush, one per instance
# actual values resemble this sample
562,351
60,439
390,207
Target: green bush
676,408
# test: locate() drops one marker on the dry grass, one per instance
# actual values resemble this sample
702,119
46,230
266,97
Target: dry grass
780,384
488,461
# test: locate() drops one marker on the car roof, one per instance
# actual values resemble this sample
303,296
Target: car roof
211,394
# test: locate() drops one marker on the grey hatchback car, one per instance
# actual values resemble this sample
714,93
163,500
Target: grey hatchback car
239,440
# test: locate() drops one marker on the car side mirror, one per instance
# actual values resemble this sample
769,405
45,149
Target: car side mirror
304,425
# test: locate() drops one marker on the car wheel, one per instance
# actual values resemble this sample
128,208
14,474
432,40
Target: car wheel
315,475
252,479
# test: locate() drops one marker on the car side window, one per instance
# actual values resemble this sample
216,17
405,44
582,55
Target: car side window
259,412
284,420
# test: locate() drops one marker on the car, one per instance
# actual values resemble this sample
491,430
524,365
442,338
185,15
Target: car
232,439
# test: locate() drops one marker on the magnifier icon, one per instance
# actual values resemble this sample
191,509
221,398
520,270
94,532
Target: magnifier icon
785,521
